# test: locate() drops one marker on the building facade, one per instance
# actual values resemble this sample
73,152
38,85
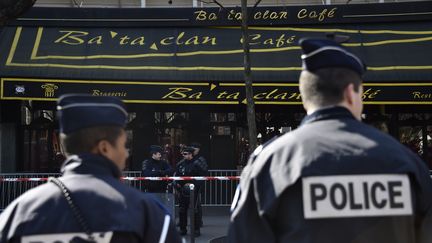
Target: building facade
179,68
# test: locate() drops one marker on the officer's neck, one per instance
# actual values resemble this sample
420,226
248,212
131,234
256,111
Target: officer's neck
312,108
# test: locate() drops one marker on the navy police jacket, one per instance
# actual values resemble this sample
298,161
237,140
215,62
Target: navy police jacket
156,168
334,179
110,207
192,167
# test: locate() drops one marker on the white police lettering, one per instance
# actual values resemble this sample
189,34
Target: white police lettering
236,198
100,237
356,196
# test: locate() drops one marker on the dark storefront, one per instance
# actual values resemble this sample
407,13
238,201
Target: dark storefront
180,71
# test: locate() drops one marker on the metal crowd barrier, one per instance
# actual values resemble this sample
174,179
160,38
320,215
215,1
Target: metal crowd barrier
9,190
219,193
214,193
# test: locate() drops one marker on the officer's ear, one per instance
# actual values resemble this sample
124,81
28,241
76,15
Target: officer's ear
349,94
353,100
103,147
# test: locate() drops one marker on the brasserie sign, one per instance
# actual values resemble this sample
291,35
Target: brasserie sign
218,93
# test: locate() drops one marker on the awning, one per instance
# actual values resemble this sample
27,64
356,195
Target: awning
192,63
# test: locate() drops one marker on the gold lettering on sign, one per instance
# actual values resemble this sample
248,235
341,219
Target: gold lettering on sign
370,93
71,37
138,41
319,15
124,40
98,92
281,41
96,40
49,89
202,15
420,95
276,94
179,93
182,39
267,14
233,15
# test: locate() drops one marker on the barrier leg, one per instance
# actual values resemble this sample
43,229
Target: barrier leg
192,212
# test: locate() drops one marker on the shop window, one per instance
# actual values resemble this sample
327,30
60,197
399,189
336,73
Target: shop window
129,141
415,132
412,137
42,151
218,117
428,149
172,133
231,117
221,130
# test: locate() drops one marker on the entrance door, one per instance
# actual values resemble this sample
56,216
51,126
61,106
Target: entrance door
222,154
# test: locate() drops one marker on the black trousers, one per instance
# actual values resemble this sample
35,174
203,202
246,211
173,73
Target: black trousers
184,201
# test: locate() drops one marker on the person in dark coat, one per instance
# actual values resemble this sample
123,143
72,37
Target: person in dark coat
199,158
156,167
188,167
333,179
98,207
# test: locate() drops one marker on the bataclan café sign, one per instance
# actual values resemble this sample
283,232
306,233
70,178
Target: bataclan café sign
200,92
195,56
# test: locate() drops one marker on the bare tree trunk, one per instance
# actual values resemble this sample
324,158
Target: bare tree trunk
250,104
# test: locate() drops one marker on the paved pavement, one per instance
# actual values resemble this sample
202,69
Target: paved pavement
216,220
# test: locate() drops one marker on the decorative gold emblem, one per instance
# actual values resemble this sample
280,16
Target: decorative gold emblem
49,89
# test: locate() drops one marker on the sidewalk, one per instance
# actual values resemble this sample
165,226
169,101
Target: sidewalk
216,221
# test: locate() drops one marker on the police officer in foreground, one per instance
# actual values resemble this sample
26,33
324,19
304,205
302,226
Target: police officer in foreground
334,179
88,203
156,167
188,167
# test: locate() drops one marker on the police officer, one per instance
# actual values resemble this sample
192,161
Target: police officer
89,203
199,158
188,167
333,179
156,167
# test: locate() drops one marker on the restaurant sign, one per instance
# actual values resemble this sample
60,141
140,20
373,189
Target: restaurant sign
200,92
204,53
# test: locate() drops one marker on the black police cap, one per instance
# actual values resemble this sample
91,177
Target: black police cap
156,149
188,149
78,111
325,53
195,145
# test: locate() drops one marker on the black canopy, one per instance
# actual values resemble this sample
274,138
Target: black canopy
170,55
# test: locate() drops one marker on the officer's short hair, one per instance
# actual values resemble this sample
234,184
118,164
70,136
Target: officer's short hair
84,140
325,86
328,68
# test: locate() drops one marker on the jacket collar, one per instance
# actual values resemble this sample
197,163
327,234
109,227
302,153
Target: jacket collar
334,112
87,163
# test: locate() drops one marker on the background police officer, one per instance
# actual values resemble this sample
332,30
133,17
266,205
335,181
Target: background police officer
199,158
333,179
156,167
188,167
93,135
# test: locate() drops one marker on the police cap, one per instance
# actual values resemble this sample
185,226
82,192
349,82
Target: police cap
188,150
156,149
78,111
325,53
195,145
